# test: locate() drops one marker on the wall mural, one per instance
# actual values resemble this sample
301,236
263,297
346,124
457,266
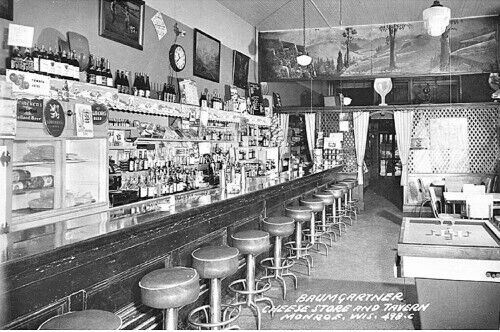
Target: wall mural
400,49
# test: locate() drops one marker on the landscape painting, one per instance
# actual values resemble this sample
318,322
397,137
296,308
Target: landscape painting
122,21
240,69
206,62
399,49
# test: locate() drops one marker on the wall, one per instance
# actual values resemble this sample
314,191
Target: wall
83,17
290,92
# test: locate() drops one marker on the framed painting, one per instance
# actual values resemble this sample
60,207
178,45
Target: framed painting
206,61
122,21
7,9
240,69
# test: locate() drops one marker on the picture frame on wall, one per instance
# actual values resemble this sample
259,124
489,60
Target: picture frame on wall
241,63
7,9
206,56
122,21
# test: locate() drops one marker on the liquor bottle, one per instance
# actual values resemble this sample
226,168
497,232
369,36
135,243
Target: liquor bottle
164,93
151,188
13,59
135,89
131,163
91,75
147,88
57,64
76,66
203,100
28,60
44,61
52,65
66,71
126,84
141,86
118,82
143,189
98,72
109,76
36,59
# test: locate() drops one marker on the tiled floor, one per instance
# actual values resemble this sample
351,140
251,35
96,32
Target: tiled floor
361,262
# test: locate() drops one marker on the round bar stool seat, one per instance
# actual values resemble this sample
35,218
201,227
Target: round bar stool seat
298,213
83,320
298,251
251,243
316,205
215,263
325,196
170,289
278,267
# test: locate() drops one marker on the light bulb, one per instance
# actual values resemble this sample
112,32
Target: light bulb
304,60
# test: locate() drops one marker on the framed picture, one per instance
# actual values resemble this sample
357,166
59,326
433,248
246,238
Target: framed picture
240,69
206,62
7,9
122,21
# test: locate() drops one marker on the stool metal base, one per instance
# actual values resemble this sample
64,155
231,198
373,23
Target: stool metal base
300,254
317,241
200,317
277,273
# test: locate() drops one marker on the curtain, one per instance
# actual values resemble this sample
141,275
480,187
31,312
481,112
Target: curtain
284,126
310,119
403,121
360,120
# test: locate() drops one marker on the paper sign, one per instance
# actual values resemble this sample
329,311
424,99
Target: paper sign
54,118
7,118
20,35
203,117
29,83
204,148
344,125
83,121
159,24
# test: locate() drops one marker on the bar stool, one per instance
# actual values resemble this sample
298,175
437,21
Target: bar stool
83,320
336,217
278,267
215,263
299,251
343,208
352,203
251,243
169,289
328,199
316,205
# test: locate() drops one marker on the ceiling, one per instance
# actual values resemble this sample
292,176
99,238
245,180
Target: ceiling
270,15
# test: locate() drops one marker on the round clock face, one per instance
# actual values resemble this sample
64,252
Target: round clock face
177,57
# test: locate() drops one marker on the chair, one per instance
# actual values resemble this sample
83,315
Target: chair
479,206
441,216
426,198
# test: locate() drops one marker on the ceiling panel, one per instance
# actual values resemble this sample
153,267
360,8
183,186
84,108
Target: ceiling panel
268,15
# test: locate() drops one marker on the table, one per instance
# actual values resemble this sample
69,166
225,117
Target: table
458,197
456,270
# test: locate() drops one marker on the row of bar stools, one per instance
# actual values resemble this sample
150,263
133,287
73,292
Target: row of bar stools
169,289
251,243
83,320
299,251
316,205
277,266
215,263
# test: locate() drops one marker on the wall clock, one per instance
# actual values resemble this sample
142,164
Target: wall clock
177,57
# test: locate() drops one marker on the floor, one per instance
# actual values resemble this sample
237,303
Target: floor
354,287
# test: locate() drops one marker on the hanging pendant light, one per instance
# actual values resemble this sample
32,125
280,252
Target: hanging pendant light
436,19
304,59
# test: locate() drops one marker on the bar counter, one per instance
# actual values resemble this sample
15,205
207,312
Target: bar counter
102,272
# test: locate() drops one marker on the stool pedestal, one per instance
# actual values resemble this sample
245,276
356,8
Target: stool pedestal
278,267
299,251
251,243
215,263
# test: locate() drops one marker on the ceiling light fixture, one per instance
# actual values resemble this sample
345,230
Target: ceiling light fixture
304,59
436,19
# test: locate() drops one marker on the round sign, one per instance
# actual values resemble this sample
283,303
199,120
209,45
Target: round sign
54,118
99,114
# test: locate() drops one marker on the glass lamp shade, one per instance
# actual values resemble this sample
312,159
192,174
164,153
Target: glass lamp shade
436,19
304,60
382,86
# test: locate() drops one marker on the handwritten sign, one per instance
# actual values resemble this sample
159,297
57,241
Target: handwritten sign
20,35
29,110
351,306
54,118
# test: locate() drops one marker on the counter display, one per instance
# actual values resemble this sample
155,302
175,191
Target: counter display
456,269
